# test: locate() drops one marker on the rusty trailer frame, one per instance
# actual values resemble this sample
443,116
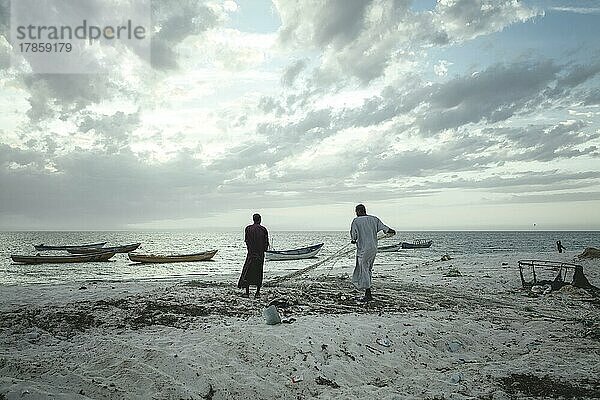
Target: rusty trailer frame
563,269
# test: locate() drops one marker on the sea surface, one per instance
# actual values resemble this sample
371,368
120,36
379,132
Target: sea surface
231,251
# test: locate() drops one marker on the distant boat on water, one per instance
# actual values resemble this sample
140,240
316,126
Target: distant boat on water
417,244
294,254
43,247
159,259
117,249
39,259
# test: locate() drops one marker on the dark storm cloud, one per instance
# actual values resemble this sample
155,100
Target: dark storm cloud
347,30
489,96
292,71
175,20
580,74
4,16
341,21
4,24
456,156
547,143
277,142
591,97
4,56
312,128
104,188
268,104
492,95
390,103
111,132
60,95
245,155
118,189
18,156
478,153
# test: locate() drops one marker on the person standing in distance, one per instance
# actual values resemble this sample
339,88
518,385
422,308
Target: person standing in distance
363,233
257,242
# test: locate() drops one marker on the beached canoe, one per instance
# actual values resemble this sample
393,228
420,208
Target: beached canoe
294,254
39,259
117,249
42,247
417,244
151,258
389,249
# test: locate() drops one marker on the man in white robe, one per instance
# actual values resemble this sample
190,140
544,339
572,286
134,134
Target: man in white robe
363,232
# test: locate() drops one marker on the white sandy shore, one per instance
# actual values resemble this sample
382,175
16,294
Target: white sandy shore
477,335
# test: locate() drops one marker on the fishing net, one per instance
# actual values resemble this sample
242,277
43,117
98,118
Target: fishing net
341,252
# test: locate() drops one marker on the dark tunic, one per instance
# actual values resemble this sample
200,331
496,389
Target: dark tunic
257,241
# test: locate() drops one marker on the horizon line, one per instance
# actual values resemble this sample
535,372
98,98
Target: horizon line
229,229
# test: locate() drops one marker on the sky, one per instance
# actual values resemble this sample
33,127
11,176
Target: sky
447,115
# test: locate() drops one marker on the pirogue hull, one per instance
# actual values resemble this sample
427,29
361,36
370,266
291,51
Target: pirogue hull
117,249
417,244
158,259
43,247
295,254
38,259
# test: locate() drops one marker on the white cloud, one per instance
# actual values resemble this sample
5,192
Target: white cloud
226,49
577,10
230,6
441,68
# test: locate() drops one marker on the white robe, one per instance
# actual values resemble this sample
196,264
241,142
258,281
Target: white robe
364,230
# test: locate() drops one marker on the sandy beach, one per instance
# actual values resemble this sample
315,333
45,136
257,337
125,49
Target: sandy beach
457,329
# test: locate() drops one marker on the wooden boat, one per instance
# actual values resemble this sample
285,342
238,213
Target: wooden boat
151,258
295,254
389,249
417,244
117,249
42,247
39,259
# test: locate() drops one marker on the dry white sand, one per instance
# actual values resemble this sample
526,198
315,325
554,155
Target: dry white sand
427,335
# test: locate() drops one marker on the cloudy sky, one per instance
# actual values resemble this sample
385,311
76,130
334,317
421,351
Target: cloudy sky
455,114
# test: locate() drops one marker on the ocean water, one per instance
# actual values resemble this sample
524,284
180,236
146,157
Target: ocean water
231,251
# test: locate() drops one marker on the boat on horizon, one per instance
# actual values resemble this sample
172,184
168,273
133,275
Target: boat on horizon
43,247
80,258
159,259
294,254
117,249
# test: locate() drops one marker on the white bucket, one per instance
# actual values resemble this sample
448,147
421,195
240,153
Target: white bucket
271,315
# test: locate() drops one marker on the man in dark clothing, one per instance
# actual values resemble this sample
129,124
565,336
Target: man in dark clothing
560,247
257,242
